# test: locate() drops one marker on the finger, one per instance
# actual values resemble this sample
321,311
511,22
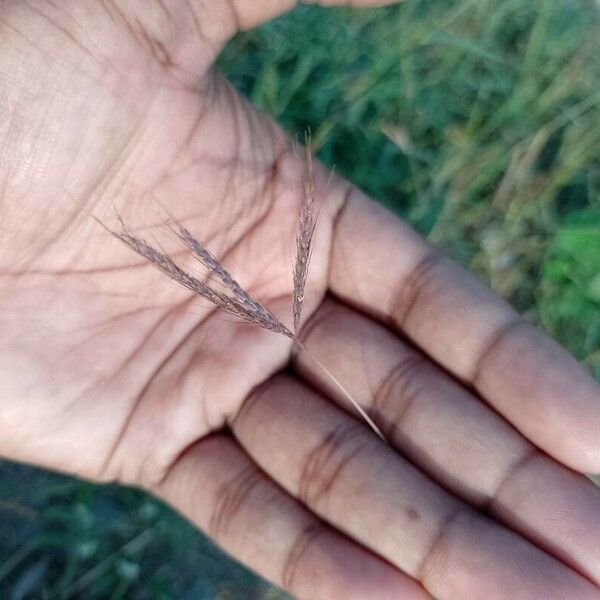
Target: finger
249,13
341,471
217,22
219,488
458,440
229,18
382,266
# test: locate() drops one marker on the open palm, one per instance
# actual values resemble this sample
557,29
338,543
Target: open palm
109,371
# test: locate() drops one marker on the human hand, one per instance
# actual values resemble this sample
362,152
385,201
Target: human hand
110,372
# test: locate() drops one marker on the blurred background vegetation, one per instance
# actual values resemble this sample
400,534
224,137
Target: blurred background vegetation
478,121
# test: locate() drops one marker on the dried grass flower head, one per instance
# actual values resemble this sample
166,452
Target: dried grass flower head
223,291
307,223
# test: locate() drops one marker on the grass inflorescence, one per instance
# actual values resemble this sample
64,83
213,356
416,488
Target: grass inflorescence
223,291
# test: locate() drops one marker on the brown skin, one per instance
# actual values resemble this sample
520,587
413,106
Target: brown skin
108,371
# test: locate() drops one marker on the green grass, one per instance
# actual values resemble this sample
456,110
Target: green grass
476,120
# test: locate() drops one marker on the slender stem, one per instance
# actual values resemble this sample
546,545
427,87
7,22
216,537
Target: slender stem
361,411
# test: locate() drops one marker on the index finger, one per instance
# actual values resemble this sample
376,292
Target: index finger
380,265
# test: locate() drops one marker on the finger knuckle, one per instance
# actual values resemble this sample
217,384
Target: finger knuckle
324,465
